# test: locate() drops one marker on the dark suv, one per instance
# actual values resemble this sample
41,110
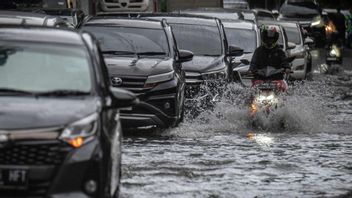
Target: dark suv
59,128
206,38
142,56
308,14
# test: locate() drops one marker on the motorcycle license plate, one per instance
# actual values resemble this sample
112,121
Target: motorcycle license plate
13,178
267,86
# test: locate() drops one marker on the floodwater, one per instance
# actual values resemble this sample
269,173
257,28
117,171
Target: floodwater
220,154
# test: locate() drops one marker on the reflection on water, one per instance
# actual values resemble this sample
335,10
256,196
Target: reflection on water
219,153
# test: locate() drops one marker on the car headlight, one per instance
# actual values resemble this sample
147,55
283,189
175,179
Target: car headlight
216,75
80,132
317,21
154,80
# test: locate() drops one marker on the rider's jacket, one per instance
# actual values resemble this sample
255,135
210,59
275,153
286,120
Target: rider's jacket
264,57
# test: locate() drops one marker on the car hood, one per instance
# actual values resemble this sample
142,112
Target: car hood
203,64
35,113
130,66
242,67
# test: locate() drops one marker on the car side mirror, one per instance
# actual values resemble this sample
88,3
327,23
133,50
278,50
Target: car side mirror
245,61
235,51
122,98
291,45
308,41
185,56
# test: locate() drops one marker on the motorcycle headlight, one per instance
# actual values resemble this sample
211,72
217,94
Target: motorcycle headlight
266,98
154,80
80,132
216,75
335,51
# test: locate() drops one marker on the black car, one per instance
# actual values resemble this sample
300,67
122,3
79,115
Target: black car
205,37
59,128
308,14
31,19
74,17
142,57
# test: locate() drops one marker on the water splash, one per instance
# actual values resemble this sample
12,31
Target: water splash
224,108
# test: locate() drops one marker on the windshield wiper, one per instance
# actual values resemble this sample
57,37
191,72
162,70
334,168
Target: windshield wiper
151,53
209,55
15,91
63,93
119,52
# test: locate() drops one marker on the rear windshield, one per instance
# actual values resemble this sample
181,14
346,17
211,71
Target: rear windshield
201,40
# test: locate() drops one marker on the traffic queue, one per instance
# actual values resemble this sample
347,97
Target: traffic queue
70,86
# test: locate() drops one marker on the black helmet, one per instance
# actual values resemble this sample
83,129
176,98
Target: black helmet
269,35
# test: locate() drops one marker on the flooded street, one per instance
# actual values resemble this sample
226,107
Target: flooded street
220,154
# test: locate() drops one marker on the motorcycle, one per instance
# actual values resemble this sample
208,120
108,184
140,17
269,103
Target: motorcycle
267,93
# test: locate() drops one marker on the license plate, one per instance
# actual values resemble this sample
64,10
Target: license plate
13,178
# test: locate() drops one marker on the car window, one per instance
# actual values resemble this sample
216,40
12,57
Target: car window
293,35
201,40
245,39
127,39
25,66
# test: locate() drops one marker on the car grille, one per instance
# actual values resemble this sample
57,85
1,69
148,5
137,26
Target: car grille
131,83
34,153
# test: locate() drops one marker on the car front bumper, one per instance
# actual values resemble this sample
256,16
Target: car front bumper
55,169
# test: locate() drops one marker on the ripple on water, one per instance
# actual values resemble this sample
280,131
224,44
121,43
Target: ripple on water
212,155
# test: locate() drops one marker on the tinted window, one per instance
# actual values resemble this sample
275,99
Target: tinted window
245,39
201,40
38,67
300,9
137,40
293,35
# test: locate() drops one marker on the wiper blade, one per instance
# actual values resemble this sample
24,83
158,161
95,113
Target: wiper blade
119,52
15,91
63,93
151,53
209,55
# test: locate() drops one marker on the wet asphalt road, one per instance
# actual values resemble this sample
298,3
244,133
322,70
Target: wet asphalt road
219,154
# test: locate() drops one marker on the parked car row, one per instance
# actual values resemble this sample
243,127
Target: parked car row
68,87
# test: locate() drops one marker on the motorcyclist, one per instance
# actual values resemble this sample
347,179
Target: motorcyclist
269,54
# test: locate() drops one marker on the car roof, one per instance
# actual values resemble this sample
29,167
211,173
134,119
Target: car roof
40,35
184,18
26,18
239,24
282,23
125,21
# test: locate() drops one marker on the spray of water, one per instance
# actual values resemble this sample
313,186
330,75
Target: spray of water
224,108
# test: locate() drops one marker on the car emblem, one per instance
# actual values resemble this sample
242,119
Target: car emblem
116,81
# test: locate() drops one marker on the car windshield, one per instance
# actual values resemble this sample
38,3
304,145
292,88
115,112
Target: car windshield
293,35
39,67
245,39
200,39
307,9
129,41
